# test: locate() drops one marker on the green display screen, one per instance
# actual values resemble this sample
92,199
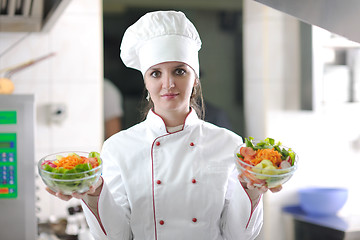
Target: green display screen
5,144
8,117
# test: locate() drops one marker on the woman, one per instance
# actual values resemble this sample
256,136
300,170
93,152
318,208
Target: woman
171,176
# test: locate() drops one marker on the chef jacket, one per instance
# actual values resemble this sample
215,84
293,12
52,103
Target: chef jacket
181,185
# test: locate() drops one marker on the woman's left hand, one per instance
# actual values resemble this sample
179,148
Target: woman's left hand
263,189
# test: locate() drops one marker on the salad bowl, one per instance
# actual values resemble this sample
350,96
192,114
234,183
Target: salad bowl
265,170
69,172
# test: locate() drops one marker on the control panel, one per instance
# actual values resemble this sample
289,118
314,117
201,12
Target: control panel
8,165
17,167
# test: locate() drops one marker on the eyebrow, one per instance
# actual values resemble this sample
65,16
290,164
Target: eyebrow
177,66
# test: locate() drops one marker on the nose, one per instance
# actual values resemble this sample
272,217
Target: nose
168,81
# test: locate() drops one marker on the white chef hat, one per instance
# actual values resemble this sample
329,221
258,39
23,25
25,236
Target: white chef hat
158,37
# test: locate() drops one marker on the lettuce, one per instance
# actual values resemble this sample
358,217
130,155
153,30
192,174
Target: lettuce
269,143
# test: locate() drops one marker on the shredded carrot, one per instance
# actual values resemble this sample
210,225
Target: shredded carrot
269,154
69,162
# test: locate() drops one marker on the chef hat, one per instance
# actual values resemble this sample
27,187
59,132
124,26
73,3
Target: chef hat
158,37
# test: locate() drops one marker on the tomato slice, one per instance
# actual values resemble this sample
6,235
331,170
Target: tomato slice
247,151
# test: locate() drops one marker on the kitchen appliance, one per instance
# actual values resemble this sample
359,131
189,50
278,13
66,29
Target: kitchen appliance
30,15
338,17
17,168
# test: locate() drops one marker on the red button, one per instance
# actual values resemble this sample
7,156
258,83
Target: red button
158,182
4,190
161,222
194,220
192,144
157,143
193,181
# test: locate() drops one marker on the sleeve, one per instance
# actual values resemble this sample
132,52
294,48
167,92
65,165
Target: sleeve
242,216
112,217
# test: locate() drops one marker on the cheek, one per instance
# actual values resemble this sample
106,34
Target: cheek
148,85
153,88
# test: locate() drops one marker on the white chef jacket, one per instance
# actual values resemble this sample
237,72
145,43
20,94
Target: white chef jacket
160,185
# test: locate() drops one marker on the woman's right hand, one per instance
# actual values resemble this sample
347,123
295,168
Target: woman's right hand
94,190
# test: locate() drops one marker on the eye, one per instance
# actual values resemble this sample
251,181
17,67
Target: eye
180,71
155,74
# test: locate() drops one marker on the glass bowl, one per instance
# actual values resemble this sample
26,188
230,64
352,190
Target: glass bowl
68,182
271,178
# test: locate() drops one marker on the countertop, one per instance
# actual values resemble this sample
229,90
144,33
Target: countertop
350,225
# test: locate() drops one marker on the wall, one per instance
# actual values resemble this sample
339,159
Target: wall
73,78
326,138
270,40
218,59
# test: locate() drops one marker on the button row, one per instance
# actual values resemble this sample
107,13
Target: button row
6,190
162,222
4,154
158,144
7,157
10,159
192,180
4,168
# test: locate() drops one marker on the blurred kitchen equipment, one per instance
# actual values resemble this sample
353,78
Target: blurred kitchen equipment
11,70
322,201
72,227
335,16
6,85
298,225
30,15
17,164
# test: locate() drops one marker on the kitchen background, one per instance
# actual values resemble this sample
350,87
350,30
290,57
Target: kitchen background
271,73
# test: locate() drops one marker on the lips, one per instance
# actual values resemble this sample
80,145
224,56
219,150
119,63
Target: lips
169,95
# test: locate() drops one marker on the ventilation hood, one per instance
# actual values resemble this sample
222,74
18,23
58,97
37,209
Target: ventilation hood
336,16
30,15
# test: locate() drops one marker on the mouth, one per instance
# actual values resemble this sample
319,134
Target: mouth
169,95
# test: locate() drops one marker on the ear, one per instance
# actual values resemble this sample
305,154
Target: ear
196,82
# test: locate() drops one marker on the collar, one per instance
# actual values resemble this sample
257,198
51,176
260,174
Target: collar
156,122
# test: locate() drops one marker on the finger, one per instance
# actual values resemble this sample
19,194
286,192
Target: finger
50,191
240,177
82,195
276,189
63,197
251,186
78,195
263,189
91,189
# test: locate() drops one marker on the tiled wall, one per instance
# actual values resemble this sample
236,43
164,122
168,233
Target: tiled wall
73,78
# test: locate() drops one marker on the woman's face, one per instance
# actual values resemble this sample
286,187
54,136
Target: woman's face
170,86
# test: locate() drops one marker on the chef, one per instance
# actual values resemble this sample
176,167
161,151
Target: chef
171,176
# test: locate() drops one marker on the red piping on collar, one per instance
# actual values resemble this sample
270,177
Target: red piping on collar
164,120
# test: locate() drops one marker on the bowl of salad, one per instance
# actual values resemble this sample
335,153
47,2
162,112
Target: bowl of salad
265,162
69,172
